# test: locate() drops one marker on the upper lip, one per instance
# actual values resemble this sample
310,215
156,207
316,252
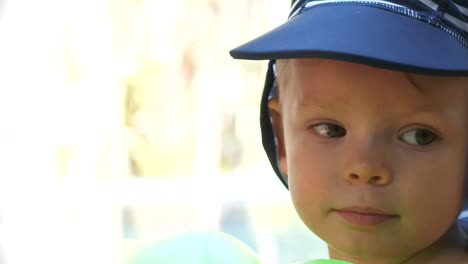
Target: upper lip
365,210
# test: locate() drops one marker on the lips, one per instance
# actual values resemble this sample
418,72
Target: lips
365,216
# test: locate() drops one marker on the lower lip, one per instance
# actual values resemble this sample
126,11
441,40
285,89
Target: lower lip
364,219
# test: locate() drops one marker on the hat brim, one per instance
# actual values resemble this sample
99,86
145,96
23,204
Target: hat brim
362,34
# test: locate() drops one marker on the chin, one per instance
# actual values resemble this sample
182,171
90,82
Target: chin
360,254
364,247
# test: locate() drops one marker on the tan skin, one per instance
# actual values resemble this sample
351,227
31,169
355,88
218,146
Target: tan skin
354,136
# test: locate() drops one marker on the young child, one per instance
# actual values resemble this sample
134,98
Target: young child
364,118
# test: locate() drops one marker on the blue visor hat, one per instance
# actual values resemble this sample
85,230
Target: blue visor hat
417,36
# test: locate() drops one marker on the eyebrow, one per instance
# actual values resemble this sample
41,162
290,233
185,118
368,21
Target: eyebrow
420,109
433,112
315,105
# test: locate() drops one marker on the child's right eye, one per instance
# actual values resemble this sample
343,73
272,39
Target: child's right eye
329,130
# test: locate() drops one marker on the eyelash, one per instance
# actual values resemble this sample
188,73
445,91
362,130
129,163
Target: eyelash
423,132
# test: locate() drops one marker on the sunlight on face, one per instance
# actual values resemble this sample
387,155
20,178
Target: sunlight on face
375,158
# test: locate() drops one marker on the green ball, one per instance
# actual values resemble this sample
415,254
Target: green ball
324,261
203,248
196,248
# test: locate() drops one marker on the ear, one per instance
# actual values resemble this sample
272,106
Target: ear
277,124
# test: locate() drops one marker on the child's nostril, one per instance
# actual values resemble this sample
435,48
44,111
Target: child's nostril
375,179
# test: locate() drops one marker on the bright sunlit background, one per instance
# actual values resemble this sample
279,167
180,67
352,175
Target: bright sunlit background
124,122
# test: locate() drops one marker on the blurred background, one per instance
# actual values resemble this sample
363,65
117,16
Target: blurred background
124,122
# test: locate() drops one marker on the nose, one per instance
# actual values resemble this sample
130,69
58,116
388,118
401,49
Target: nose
368,176
367,164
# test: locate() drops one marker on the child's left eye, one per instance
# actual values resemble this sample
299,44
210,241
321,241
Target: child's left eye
420,137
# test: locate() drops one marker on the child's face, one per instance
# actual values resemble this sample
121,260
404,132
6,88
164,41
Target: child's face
375,158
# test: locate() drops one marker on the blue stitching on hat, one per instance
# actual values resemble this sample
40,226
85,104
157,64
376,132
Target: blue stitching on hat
429,19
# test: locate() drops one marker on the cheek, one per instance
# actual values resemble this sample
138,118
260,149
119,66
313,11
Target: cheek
439,180
431,196
311,176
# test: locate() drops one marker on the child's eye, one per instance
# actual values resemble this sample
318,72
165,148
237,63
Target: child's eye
419,137
329,130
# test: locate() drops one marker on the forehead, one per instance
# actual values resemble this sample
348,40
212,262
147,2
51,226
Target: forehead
319,81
